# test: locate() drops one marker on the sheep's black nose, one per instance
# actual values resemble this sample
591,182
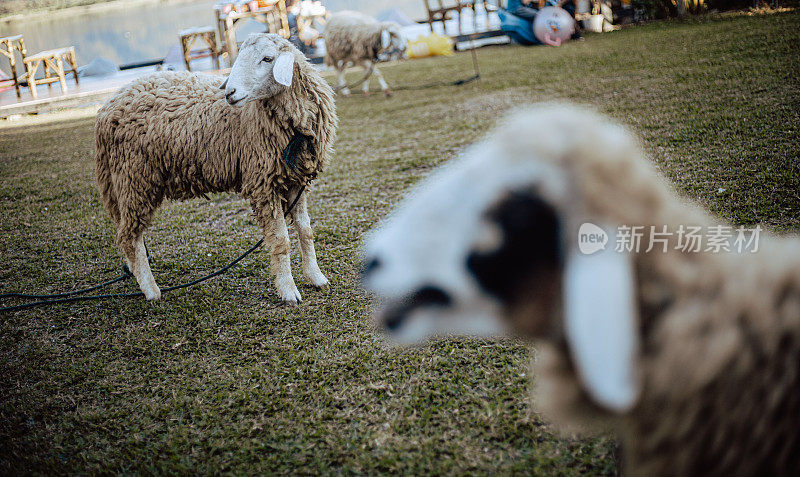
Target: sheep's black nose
229,96
394,319
369,266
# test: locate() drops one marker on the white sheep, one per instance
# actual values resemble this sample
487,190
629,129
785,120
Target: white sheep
174,136
692,356
352,38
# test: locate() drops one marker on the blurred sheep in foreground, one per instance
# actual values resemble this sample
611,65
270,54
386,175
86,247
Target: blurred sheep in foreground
692,357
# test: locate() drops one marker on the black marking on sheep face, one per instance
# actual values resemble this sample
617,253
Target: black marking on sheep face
427,296
531,245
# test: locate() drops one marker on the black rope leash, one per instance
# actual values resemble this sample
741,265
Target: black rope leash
126,272
69,297
291,152
134,294
436,85
358,83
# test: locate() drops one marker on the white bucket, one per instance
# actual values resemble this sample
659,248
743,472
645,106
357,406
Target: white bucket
594,23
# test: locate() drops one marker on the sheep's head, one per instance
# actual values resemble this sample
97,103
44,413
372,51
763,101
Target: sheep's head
489,244
393,42
265,67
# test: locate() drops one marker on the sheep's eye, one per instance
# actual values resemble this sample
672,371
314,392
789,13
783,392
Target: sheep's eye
267,59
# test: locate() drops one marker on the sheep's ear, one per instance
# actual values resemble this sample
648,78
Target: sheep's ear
283,69
386,39
224,84
600,324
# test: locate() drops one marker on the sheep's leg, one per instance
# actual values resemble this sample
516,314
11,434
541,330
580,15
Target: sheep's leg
135,210
340,67
132,245
369,67
384,86
302,224
276,238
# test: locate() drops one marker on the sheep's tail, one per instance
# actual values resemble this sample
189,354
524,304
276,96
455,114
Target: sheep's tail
105,184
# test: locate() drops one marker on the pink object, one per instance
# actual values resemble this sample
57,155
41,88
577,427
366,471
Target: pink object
552,41
553,26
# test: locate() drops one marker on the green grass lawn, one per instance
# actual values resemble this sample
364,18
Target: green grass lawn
222,378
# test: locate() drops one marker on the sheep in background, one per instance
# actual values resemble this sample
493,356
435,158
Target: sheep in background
174,136
692,357
357,39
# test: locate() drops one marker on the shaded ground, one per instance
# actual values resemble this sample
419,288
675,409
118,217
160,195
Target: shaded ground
222,378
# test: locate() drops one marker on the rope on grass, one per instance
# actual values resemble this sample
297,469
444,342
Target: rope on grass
69,297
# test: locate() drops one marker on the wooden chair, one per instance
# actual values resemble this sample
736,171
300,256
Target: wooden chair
208,35
8,46
53,61
273,13
442,12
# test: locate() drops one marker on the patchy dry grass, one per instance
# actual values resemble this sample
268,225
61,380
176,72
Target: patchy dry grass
221,378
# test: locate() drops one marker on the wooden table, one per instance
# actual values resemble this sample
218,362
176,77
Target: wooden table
53,61
273,15
8,45
190,35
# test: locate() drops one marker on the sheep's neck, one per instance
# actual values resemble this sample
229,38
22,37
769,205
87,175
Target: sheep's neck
751,299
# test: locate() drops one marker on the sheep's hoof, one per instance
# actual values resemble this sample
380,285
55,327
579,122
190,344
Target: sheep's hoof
345,92
290,295
292,301
317,279
388,93
366,93
152,294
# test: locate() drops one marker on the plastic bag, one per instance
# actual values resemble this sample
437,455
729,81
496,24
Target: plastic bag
430,45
